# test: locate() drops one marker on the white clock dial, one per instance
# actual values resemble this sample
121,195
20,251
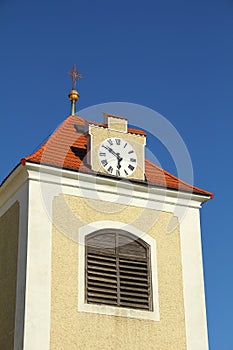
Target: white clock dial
117,157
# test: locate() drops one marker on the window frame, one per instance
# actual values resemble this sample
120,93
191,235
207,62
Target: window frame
105,309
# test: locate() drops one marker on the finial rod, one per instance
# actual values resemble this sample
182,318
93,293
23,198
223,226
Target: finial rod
74,95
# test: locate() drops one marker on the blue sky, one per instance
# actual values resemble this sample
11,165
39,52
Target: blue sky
175,57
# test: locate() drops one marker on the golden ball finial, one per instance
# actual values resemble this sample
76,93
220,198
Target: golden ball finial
73,95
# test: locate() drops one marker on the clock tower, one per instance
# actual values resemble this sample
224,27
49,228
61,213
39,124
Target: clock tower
87,261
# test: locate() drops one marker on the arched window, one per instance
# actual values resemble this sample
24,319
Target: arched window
118,270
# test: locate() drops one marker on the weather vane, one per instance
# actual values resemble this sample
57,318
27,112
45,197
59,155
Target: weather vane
75,75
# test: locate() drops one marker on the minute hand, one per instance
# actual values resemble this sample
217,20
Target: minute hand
113,152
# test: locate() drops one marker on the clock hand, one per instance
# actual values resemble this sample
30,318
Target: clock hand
111,151
117,155
119,160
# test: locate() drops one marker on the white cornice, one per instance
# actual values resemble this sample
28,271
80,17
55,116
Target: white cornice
89,183
123,187
13,183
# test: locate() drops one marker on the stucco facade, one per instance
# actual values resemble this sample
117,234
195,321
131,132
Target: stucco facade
9,234
71,329
54,207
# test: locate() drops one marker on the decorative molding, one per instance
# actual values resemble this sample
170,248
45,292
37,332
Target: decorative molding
106,184
193,282
38,273
12,184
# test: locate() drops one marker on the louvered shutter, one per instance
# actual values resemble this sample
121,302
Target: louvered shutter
118,270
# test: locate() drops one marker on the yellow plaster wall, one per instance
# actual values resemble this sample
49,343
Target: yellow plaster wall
71,329
9,228
99,134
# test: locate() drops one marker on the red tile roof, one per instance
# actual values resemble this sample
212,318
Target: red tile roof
66,148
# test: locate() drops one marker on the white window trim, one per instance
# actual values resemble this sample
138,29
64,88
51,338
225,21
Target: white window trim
111,310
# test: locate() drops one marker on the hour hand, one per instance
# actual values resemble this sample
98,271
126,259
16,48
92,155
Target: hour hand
119,160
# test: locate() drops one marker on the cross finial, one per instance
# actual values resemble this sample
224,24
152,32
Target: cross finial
75,75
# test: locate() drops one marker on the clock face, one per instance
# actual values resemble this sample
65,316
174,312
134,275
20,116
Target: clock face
117,157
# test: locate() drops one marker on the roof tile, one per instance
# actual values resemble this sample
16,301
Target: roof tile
66,148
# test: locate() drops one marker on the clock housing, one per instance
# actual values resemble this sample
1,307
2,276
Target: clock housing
116,130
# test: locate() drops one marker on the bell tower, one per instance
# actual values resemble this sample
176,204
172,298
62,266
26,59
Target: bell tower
87,261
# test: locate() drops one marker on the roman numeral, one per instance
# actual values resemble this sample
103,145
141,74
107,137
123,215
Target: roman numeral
125,144
118,141
118,173
102,154
133,160
110,169
131,167
130,152
104,162
110,142
126,172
